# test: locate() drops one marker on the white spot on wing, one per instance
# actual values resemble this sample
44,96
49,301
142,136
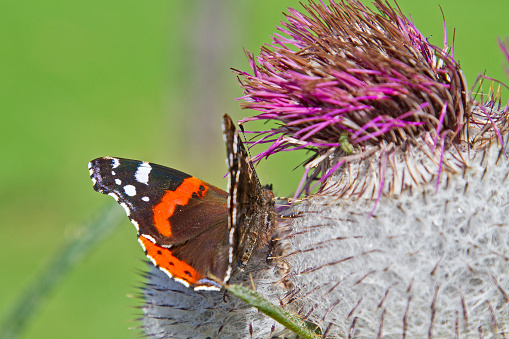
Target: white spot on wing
90,171
135,223
130,190
155,264
114,196
234,200
147,199
142,173
94,180
116,162
228,272
165,271
206,288
113,173
230,255
152,240
182,281
230,258
90,165
125,208
232,231
118,182
141,243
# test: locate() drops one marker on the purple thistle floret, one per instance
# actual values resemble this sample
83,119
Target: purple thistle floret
344,68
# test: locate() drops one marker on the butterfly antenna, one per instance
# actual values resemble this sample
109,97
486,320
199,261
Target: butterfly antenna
245,140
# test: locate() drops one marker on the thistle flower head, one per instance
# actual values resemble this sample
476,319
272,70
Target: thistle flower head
387,113
344,70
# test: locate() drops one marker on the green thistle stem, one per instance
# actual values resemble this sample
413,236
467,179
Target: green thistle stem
285,318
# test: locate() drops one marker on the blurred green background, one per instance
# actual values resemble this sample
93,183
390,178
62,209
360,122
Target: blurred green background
147,80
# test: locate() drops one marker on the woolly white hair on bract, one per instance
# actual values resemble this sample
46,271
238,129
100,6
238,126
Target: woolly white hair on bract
426,264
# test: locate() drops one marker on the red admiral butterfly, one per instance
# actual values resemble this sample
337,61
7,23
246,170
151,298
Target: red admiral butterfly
193,231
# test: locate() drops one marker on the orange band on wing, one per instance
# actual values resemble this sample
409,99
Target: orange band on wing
164,258
166,207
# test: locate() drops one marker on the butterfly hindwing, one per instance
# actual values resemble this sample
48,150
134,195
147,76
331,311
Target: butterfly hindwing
251,207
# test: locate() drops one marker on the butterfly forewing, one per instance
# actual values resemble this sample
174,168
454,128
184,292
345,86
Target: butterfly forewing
172,210
193,231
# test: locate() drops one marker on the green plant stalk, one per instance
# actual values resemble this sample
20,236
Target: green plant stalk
285,318
68,257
